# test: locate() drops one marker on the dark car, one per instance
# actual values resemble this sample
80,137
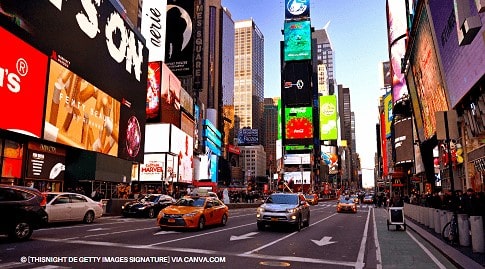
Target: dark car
22,210
147,206
284,208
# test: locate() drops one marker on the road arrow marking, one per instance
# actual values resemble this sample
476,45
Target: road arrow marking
244,236
324,241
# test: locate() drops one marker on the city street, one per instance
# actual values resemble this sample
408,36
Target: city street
333,240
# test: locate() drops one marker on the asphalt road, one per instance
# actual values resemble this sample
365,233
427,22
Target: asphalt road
333,240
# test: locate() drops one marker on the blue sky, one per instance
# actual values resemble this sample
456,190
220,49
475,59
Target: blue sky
358,33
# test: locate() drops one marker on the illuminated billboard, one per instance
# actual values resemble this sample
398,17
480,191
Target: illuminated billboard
388,113
94,41
462,65
403,141
330,157
427,75
153,92
298,40
296,9
296,89
23,72
299,123
328,117
248,137
170,97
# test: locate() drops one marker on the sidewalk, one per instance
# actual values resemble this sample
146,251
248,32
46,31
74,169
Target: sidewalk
406,254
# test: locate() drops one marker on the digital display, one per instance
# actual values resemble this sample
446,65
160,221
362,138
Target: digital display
299,122
298,40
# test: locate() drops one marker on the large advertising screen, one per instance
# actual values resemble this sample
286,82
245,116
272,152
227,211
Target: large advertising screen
170,93
248,137
397,35
298,40
92,39
153,27
296,89
328,117
153,92
427,75
462,65
403,141
45,162
23,72
80,115
179,41
299,123
295,9
388,105
153,167
181,145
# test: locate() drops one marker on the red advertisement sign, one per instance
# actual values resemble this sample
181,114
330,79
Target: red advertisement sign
22,85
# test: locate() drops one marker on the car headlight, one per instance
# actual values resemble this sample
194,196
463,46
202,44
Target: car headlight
191,214
142,208
122,207
291,210
260,209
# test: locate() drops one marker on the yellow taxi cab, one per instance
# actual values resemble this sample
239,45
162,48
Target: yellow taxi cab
194,212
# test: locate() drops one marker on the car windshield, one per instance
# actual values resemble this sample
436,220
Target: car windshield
309,196
283,199
151,198
346,199
50,196
197,202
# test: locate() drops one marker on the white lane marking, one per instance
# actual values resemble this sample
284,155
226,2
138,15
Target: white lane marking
360,258
210,252
284,237
244,236
324,241
376,241
435,260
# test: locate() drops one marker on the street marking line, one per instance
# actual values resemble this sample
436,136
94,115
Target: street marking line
376,241
360,258
435,260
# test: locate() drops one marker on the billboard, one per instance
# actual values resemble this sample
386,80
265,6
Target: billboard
302,158
23,72
153,92
296,177
153,27
403,141
462,65
298,40
153,167
388,115
296,89
397,35
45,161
79,114
181,145
296,9
298,123
427,75
248,137
330,158
170,97
328,117
91,39
179,41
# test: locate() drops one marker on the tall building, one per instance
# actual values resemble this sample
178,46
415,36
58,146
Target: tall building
253,161
228,33
248,75
324,54
270,132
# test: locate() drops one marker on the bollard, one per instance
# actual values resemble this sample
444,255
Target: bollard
425,216
437,223
463,230
443,220
476,225
431,217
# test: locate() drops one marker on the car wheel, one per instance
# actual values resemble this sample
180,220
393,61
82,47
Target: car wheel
21,231
261,226
224,220
201,223
89,217
151,213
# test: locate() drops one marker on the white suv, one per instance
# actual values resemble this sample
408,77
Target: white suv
284,208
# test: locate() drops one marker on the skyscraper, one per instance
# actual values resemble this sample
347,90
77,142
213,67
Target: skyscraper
324,54
248,75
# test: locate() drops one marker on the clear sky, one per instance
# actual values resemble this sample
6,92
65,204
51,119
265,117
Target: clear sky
358,34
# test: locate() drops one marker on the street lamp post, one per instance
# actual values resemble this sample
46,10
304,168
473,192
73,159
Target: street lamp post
301,169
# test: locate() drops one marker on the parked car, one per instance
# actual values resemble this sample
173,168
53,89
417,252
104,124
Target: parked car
346,204
147,205
194,212
284,208
68,206
312,198
22,210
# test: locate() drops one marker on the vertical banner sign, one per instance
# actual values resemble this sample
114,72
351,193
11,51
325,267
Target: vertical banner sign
198,52
328,117
153,28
